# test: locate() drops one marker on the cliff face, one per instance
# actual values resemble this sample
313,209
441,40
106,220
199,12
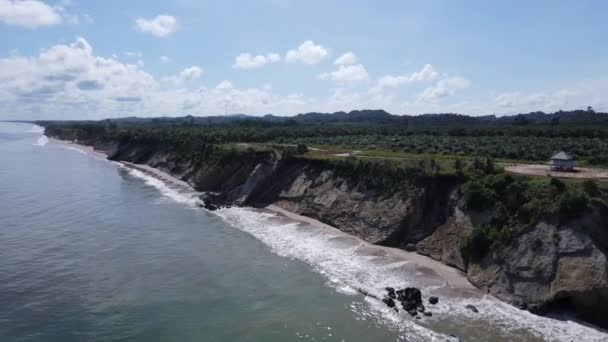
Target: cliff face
547,265
388,216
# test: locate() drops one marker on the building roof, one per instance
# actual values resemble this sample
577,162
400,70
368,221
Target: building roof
562,156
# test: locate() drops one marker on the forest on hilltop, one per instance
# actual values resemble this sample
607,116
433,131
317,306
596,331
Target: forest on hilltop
533,136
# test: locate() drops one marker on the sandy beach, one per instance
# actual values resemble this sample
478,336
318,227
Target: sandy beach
453,278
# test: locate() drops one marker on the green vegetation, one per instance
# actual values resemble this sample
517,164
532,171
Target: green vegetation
530,137
394,151
514,203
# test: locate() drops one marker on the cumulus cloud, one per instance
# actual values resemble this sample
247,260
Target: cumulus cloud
307,53
165,59
249,61
445,87
69,81
347,75
427,73
161,26
69,78
29,13
186,75
346,59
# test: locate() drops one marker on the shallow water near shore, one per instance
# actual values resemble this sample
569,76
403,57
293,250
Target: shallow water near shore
96,251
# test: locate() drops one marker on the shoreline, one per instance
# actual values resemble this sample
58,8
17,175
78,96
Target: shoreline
454,278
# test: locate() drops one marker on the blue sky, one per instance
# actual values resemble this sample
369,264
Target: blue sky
94,59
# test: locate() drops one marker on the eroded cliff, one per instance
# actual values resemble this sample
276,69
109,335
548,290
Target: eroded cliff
548,264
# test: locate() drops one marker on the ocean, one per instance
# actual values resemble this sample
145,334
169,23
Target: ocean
92,250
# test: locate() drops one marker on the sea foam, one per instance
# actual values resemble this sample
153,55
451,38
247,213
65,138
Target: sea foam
188,197
349,265
36,129
42,141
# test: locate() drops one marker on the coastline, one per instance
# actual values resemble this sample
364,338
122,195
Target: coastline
454,278
455,292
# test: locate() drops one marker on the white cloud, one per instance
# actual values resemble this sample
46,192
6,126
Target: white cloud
346,59
347,75
427,73
307,53
160,26
445,87
28,13
191,73
249,61
165,59
273,57
224,85
186,75
67,79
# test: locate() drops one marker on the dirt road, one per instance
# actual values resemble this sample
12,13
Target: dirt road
545,170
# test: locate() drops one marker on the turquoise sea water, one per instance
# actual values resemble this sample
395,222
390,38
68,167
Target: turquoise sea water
93,251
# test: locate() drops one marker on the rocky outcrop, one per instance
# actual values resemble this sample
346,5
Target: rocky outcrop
545,266
392,217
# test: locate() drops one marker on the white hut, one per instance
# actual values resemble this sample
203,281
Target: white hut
562,161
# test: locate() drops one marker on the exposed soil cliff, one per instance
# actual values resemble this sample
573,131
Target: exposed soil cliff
547,265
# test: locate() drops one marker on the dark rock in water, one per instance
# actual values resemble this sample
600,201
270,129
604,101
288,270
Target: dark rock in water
433,300
472,308
391,292
428,313
389,301
410,298
413,293
211,201
410,247
456,337
537,309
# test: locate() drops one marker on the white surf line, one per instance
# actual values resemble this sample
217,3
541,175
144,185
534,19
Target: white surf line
36,129
157,173
42,141
353,265
345,268
453,277
84,149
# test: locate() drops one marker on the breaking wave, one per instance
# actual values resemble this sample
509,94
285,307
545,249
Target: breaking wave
350,265
42,141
